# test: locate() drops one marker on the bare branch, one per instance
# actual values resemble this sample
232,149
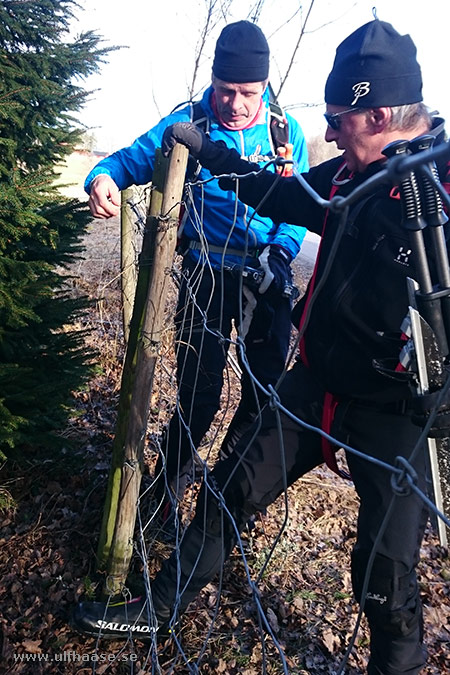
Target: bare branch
255,12
336,18
295,106
216,12
296,48
288,20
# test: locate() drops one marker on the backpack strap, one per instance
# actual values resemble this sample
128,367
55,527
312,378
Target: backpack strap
199,117
279,126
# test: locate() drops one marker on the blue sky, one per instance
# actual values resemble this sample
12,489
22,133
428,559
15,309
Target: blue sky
150,76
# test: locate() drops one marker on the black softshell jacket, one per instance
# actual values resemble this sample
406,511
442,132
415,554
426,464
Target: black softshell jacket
363,300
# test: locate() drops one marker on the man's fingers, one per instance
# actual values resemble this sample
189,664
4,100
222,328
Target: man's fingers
114,199
104,209
104,200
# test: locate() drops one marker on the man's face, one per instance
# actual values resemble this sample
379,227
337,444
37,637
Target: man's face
354,137
237,104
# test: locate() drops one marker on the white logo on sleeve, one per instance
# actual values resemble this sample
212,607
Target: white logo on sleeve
360,89
403,255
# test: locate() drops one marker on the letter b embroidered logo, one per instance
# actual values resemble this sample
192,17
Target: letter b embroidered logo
360,89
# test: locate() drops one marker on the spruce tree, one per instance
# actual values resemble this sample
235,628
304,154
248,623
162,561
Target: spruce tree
42,359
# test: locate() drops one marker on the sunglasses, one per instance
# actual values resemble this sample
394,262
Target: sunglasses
334,119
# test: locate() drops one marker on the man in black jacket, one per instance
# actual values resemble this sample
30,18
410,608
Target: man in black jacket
374,97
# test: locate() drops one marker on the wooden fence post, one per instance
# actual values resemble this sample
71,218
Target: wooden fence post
147,325
127,259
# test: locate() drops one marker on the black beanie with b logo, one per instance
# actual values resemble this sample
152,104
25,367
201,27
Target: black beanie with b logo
375,66
242,54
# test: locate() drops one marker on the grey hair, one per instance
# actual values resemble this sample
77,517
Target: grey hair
405,117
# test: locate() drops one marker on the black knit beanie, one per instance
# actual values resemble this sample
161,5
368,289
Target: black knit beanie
374,67
242,54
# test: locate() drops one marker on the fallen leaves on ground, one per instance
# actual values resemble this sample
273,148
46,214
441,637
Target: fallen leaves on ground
47,562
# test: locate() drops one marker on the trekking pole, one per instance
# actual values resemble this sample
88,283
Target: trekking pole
436,219
428,302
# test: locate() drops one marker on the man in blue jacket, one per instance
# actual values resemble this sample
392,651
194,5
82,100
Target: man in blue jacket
219,236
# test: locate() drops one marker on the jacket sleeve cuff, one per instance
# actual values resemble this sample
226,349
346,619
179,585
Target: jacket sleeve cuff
96,171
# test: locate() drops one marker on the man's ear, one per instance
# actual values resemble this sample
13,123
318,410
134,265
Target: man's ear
380,118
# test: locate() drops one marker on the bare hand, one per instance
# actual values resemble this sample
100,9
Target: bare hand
104,199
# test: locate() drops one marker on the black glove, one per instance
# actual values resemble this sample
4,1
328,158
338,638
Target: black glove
214,156
187,134
275,262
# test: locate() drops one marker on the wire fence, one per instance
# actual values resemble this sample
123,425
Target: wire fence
220,616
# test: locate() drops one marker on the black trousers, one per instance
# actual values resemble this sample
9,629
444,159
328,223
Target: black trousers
263,465
209,303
